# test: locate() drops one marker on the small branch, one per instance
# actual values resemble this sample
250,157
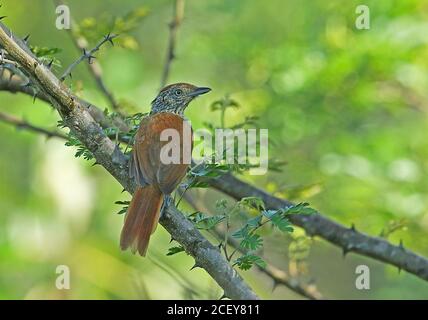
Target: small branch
4,60
22,124
88,55
17,84
178,14
94,68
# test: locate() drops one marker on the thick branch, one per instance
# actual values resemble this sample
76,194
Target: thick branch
107,154
349,239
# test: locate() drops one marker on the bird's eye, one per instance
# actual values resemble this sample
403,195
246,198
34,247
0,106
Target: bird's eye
178,92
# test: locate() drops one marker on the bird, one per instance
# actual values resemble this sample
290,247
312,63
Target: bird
156,178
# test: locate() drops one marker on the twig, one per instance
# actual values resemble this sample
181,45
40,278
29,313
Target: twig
18,84
22,124
278,276
94,68
88,55
5,60
106,153
178,14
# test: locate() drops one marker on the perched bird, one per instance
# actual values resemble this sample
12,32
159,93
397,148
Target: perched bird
155,177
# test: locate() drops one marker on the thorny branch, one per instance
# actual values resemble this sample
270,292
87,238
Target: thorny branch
80,122
88,55
94,68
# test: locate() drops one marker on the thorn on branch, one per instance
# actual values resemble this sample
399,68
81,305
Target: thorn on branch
346,250
2,17
196,265
401,245
353,227
109,37
25,39
224,296
275,284
88,55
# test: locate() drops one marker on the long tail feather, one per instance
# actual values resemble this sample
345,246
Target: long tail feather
141,219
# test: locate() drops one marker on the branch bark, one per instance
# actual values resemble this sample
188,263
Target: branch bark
349,239
87,130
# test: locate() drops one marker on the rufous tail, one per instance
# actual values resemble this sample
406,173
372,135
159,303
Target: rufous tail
141,219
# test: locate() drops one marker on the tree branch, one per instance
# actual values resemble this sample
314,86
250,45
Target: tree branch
107,154
349,239
94,68
15,84
178,14
278,276
22,124
88,55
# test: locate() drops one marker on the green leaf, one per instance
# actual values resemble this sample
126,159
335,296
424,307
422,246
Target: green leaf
301,208
125,205
209,222
241,233
281,222
255,222
174,250
204,222
252,203
246,261
252,242
221,204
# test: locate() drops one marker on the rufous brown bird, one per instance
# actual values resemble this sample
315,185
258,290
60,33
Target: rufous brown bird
155,177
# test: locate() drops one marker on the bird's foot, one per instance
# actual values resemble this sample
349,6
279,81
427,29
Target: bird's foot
167,201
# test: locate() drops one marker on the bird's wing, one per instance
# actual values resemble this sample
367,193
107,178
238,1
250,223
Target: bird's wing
150,153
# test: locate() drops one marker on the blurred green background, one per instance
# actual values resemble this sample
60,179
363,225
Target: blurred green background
345,108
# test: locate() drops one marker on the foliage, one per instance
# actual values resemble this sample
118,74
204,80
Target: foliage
345,109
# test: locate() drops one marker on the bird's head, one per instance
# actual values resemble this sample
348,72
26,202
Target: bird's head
176,97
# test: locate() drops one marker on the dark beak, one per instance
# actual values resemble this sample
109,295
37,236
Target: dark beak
199,91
